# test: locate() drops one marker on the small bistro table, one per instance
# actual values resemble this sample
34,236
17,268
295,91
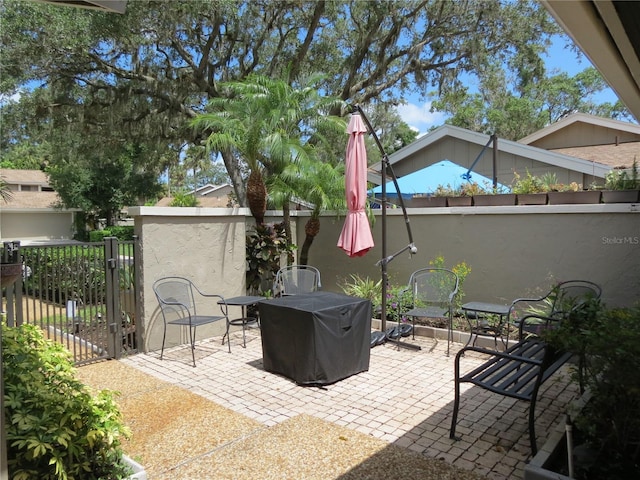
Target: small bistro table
242,301
483,328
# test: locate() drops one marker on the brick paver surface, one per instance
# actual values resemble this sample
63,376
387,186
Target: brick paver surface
405,398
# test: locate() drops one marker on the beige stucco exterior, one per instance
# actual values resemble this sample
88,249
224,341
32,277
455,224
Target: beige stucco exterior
512,251
35,226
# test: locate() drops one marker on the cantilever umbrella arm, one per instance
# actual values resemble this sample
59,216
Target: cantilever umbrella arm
411,247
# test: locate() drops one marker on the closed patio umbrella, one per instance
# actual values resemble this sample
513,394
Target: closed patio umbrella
355,238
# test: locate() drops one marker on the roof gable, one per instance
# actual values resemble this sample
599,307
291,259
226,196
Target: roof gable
565,133
446,132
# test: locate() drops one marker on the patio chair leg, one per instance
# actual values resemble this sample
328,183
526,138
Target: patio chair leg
532,426
193,344
456,402
164,336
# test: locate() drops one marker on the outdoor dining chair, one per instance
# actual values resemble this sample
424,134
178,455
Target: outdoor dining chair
564,298
433,291
296,279
177,299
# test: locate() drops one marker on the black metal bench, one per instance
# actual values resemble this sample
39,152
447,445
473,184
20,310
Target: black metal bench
517,372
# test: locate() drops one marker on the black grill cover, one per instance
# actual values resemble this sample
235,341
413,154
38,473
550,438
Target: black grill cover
316,338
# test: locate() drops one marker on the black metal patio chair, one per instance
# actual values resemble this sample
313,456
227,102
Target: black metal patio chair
433,293
296,279
177,299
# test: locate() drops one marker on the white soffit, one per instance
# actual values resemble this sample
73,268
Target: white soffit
596,27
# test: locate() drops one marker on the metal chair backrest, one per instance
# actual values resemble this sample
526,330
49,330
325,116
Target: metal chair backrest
433,286
567,296
175,295
297,279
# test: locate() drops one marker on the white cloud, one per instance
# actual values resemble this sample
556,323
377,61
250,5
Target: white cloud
4,99
419,118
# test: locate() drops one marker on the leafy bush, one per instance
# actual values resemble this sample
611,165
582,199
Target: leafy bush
621,180
528,184
462,270
398,297
607,343
265,248
184,200
55,428
124,233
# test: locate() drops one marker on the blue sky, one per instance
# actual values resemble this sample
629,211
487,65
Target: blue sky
560,57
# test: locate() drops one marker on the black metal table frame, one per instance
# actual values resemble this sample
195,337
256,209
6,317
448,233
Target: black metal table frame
242,301
487,330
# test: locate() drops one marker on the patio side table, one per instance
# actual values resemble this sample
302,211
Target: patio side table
484,329
242,301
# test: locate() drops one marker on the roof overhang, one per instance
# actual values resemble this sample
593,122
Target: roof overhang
114,6
608,32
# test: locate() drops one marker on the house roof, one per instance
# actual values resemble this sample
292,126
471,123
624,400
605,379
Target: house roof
576,118
24,177
205,202
615,156
557,159
31,201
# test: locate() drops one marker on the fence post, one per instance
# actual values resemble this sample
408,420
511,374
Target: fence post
114,322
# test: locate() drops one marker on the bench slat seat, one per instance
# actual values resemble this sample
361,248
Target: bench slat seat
517,372
513,373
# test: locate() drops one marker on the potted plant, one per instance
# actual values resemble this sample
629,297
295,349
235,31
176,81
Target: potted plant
529,190
622,186
421,200
461,196
494,196
571,193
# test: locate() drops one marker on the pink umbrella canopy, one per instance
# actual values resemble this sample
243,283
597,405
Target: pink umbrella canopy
355,238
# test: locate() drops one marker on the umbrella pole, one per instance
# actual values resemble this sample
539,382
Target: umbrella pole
411,247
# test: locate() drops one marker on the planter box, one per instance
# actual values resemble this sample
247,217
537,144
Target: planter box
584,196
419,202
620,196
532,199
138,470
541,466
459,201
495,200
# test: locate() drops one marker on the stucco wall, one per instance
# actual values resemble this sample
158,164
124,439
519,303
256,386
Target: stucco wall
512,251
206,245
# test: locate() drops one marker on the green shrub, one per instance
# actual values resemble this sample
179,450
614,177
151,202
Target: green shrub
124,233
67,272
55,428
462,270
607,344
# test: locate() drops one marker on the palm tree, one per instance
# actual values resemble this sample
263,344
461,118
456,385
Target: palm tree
5,191
236,126
320,184
271,125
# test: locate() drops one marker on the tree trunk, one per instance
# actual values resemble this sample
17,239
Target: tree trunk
311,229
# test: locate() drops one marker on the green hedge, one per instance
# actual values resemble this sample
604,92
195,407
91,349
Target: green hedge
121,233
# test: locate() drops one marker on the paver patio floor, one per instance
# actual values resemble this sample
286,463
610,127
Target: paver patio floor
405,398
